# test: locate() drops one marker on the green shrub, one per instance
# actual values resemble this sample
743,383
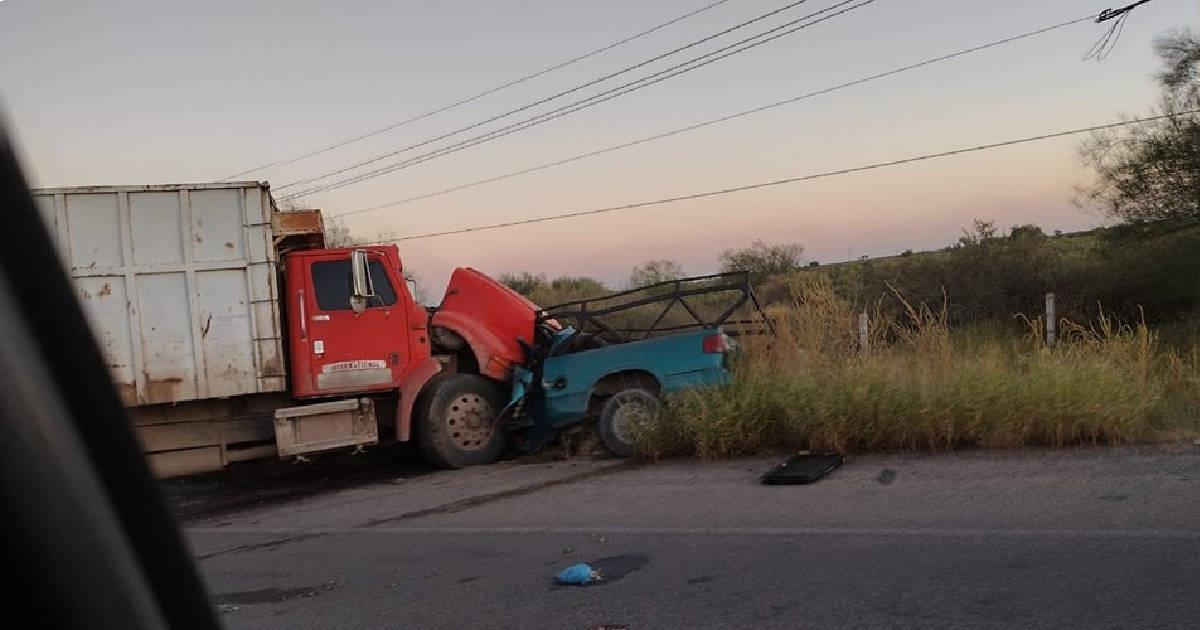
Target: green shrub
924,387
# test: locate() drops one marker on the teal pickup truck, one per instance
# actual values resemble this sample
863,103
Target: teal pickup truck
611,359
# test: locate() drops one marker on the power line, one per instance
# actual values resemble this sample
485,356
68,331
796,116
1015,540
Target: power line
552,97
721,119
662,75
793,180
596,99
474,97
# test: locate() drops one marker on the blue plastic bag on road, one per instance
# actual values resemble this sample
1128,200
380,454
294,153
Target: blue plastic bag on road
579,574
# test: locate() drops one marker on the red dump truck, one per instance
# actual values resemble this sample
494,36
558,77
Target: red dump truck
232,332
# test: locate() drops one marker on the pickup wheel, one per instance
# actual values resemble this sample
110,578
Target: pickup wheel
621,414
456,421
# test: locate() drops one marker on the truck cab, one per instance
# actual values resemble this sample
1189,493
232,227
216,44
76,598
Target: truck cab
340,342
364,357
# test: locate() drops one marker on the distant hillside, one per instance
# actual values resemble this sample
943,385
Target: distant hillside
1128,270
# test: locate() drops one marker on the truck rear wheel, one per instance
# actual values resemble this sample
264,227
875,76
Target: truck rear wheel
620,417
457,422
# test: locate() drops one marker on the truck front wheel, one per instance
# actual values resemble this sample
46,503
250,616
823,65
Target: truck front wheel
456,421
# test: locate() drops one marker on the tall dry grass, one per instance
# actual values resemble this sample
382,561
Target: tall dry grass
924,386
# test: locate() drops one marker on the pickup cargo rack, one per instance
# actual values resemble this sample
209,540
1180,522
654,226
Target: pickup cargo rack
614,318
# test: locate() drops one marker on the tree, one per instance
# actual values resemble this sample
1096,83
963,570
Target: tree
1151,171
418,287
1026,232
653,272
562,289
981,233
566,288
337,234
526,283
762,260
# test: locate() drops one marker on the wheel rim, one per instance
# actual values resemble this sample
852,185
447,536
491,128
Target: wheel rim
628,415
469,422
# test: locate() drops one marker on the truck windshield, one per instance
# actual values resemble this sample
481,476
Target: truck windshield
332,282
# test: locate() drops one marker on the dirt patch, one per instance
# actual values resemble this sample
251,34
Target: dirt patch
614,568
271,595
886,476
471,502
272,481
447,508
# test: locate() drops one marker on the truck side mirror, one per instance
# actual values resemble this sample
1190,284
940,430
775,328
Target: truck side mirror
360,280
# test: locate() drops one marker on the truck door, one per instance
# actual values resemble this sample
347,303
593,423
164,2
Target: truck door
349,352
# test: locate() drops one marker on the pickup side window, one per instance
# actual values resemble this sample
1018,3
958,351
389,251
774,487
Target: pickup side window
332,282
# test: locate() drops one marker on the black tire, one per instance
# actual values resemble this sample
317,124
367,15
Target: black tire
456,424
619,411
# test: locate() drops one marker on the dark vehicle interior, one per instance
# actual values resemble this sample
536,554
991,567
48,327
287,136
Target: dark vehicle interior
88,540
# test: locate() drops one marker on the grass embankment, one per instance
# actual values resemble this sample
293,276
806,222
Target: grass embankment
926,387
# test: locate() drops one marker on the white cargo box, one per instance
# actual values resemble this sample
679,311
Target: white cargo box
179,284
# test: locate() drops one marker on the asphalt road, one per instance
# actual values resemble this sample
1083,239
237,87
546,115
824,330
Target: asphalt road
1104,538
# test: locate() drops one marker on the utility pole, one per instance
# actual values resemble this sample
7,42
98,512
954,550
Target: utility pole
864,338
1051,322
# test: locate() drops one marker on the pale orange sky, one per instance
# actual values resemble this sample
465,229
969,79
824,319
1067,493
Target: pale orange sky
154,92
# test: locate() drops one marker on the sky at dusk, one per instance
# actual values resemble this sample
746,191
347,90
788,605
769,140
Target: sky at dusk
150,91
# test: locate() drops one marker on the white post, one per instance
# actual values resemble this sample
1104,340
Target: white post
864,339
1051,322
